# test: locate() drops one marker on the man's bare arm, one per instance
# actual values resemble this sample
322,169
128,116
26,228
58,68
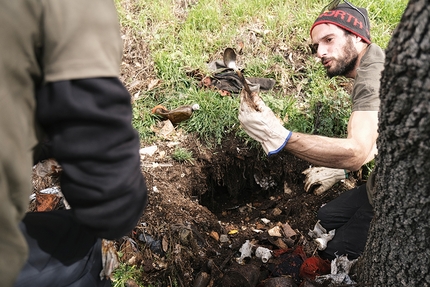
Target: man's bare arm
349,153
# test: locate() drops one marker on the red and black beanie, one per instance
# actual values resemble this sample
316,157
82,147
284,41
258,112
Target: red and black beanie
348,18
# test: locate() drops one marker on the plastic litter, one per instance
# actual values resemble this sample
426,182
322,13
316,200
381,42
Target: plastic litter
154,245
320,235
245,252
264,253
340,267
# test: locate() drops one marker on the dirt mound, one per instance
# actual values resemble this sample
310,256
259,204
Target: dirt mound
201,213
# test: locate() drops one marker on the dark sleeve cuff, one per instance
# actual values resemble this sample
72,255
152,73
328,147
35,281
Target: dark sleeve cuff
88,123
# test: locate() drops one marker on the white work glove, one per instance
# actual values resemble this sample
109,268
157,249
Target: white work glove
324,177
263,126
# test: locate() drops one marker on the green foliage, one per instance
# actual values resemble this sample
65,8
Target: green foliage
126,272
276,38
182,155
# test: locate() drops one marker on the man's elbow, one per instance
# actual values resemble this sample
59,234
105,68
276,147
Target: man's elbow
356,162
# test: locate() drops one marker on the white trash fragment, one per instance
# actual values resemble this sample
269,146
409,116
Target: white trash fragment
264,253
275,231
320,235
265,220
287,189
264,183
322,242
51,190
245,252
172,144
340,267
150,150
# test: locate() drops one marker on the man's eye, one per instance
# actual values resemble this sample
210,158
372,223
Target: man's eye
314,48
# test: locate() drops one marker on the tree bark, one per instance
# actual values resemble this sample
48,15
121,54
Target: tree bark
398,247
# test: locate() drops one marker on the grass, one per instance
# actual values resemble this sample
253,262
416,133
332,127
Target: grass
275,38
182,155
124,273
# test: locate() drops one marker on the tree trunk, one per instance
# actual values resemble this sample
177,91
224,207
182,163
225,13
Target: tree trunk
398,247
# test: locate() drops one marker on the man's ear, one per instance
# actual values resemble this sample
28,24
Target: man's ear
358,39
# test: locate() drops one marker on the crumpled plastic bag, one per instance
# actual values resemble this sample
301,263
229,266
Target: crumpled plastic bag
320,235
340,267
245,252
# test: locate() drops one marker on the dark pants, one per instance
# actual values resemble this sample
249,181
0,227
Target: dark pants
350,214
61,252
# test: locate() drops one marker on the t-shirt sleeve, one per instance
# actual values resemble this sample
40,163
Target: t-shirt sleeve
365,94
81,40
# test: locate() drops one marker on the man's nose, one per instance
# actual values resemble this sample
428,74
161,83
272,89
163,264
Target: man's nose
321,51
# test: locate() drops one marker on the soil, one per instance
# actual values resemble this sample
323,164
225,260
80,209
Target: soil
202,211
227,191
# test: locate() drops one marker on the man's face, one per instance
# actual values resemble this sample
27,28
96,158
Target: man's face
335,48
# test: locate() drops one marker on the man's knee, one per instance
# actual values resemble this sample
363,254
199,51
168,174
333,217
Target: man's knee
323,215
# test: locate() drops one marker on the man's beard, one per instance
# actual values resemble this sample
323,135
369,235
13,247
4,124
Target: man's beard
346,63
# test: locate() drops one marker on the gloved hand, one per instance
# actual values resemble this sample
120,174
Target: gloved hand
324,177
263,126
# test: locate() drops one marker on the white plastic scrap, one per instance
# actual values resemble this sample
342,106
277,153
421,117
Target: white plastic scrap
264,253
245,251
51,190
320,235
340,267
265,220
264,183
150,150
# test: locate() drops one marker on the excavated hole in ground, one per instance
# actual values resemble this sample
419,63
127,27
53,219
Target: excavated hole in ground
227,191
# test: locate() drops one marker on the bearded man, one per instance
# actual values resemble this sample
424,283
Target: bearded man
341,39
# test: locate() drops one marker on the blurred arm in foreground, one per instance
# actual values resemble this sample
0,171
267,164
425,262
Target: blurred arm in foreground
60,67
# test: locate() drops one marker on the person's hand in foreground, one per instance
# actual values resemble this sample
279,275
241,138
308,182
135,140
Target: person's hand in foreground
323,177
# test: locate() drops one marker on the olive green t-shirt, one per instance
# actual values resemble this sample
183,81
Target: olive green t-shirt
82,40
365,93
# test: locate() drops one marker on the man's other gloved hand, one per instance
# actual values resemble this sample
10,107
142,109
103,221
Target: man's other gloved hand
323,176
263,126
